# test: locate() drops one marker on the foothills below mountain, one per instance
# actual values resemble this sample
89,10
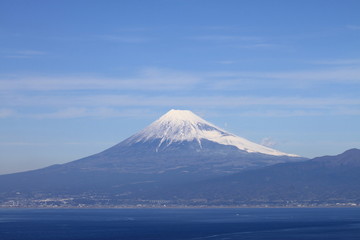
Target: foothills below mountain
182,160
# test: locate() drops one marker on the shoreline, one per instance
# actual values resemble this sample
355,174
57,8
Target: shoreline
180,207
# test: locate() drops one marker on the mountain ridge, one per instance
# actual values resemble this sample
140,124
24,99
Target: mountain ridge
315,182
178,148
329,179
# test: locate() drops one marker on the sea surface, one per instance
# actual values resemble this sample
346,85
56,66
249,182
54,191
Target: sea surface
139,224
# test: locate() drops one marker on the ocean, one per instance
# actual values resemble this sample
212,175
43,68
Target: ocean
180,224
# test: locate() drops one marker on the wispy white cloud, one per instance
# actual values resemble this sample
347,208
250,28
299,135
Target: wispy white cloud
100,112
126,105
226,38
136,29
337,62
25,54
153,79
40,144
31,52
329,75
150,79
225,62
258,46
236,41
353,27
72,112
139,100
75,97
18,56
5,113
111,112
288,78
289,112
23,144
268,142
124,39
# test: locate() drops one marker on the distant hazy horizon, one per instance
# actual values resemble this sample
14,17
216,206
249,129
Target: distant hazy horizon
77,77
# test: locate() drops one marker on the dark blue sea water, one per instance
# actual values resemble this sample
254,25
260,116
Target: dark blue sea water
104,224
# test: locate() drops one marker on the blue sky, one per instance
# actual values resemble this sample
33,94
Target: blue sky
77,77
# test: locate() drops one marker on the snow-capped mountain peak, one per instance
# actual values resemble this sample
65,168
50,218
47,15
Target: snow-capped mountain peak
184,125
180,116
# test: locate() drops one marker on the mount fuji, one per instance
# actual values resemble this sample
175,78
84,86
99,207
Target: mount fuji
179,148
182,125
183,142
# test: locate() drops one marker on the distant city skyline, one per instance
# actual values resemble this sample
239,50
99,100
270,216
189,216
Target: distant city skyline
77,77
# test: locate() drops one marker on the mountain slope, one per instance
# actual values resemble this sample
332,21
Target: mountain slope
328,179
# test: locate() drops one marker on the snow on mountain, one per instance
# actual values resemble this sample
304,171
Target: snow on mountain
183,125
